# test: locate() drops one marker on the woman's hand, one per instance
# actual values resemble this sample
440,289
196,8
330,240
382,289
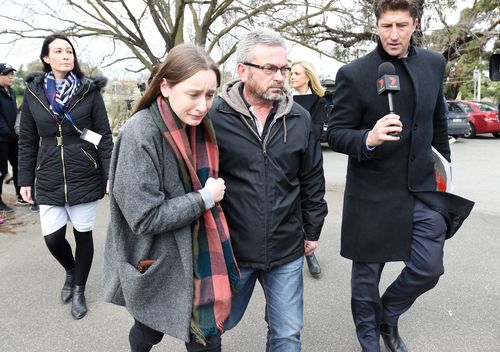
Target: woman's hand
216,187
26,194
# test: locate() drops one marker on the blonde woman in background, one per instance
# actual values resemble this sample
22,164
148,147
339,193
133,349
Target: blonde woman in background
308,92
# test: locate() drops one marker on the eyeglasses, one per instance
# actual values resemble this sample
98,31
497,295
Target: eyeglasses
270,69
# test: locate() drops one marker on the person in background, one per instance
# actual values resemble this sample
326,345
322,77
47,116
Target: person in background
168,255
392,211
308,92
8,136
273,168
65,146
34,207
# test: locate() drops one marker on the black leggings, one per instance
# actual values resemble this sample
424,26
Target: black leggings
60,248
142,338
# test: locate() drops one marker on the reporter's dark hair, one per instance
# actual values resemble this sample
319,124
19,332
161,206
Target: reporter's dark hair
182,62
382,6
45,52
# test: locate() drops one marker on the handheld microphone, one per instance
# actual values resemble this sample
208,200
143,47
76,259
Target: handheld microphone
387,84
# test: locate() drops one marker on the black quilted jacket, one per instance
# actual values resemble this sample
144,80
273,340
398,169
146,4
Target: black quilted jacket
76,171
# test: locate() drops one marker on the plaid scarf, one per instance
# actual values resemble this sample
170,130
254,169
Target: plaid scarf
60,100
214,268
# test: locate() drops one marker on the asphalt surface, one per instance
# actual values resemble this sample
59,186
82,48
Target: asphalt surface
461,314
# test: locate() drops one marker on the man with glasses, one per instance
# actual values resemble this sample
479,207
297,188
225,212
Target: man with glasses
274,201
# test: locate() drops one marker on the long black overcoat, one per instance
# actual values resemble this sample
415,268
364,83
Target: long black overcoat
381,185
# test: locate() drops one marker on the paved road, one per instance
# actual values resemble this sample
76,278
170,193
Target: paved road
461,314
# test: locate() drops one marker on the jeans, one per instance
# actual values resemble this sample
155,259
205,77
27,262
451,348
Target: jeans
283,288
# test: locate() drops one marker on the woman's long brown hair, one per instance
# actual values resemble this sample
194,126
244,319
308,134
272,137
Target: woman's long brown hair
182,62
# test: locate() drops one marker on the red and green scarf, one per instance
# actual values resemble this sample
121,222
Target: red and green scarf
214,267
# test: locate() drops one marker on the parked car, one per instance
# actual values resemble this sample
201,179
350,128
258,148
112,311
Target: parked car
483,117
493,106
458,122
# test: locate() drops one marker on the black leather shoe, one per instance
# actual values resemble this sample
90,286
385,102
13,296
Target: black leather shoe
313,265
392,340
67,290
78,306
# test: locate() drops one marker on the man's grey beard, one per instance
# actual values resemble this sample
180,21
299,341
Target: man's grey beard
271,96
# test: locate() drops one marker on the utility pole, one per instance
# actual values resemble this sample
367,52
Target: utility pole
477,84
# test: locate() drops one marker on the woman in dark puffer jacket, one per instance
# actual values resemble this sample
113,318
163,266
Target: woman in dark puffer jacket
65,145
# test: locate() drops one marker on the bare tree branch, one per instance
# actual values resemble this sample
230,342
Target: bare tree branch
150,28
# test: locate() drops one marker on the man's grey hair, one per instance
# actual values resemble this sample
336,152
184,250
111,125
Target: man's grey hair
247,44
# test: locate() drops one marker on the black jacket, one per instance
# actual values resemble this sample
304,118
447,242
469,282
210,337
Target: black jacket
381,185
274,198
8,113
317,107
74,172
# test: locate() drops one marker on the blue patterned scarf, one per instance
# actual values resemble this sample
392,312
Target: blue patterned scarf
60,100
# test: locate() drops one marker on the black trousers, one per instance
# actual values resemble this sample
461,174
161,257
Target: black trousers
142,338
8,154
421,273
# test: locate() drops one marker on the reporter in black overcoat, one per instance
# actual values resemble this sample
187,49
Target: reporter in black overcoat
391,209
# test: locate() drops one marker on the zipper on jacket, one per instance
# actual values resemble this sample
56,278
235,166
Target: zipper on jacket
87,154
41,103
264,141
250,128
266,211
63,166
79,100
268,136
61,138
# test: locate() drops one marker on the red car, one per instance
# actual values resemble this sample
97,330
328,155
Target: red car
483,117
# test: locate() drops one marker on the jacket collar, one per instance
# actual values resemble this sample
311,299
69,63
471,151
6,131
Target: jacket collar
36,78
386,57
231,95
9,92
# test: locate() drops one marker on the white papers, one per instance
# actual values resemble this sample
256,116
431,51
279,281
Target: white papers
442,171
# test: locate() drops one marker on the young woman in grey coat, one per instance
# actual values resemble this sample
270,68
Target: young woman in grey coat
168,258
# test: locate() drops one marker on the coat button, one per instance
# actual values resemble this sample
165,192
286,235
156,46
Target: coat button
412,158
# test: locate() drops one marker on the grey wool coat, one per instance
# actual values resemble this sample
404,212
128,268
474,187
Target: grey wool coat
151,218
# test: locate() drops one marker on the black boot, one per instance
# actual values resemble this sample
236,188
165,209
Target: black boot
142,338
313,265
67,290
392,340
79,306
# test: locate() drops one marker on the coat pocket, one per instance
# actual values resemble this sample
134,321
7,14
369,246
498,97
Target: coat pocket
144,265
90,158
140,288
